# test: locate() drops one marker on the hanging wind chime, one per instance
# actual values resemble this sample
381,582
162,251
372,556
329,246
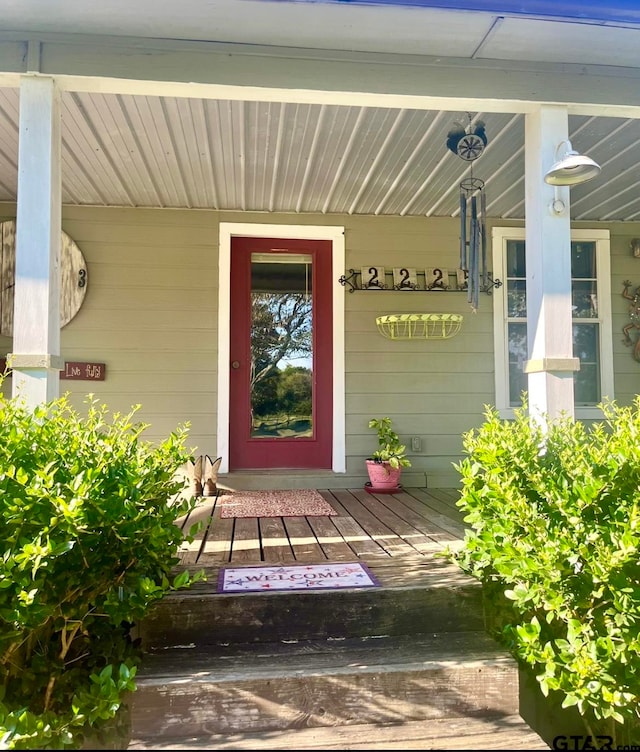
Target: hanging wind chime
468,143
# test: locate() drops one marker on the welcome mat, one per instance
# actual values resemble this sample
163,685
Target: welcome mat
297,503
295,577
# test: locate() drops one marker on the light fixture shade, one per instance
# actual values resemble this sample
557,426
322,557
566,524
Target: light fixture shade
572,168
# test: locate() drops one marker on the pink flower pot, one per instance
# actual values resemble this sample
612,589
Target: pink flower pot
382,475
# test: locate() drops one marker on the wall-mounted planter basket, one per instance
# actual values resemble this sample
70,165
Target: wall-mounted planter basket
419,325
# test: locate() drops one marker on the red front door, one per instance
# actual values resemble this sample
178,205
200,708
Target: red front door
281,354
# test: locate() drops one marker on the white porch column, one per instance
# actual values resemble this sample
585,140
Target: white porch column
548,259
36,358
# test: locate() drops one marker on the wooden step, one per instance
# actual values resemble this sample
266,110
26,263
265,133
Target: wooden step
431,595
285,685
261,480
501,732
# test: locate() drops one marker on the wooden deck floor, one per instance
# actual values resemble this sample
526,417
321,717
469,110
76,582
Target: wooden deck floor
369,527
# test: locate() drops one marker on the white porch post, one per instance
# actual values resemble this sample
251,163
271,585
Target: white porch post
548,259
36,358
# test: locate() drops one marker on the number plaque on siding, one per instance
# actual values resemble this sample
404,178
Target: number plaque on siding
373,278
404,278
436,278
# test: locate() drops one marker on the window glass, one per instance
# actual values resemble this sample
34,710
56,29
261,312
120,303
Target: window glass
517,357
586,314
587,379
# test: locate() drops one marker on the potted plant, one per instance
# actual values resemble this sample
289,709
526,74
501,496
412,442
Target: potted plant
386,463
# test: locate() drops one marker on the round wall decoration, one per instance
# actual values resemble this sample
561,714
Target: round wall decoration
73,277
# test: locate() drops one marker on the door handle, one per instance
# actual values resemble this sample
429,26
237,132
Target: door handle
235,364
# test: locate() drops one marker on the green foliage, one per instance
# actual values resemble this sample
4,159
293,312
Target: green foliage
389,447
295,390
555,517
87,543
280,331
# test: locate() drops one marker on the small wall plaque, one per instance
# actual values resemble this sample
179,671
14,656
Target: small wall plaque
74,370
404,278
372,278
437,278
462,279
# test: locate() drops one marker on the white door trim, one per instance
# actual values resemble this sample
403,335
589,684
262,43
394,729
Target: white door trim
313,232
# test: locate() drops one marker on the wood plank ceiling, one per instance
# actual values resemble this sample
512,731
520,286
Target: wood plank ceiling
131,150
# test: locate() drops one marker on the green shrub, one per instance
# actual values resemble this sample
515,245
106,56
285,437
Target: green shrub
88,542
555,518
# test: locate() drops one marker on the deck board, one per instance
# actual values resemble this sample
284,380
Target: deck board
413,513
417,502
245,547
391,514
389,540
504,732
358,539
217,545
303,540
333,545
408,526
442,513
444,501
275,540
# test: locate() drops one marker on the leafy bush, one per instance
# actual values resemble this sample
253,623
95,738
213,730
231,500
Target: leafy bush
555,517
88,541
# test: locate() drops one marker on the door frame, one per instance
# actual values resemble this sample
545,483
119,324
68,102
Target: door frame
333,233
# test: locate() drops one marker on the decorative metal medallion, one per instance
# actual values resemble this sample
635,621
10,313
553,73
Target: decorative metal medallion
470,147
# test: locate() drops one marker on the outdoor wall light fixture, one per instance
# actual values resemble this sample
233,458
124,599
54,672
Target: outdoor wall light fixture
557,206
570,167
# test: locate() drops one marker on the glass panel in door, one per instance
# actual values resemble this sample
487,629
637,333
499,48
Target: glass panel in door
281,346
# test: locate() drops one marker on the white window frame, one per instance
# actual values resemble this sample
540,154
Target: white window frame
601,238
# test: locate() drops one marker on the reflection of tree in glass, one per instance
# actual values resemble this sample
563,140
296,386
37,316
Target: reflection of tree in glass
264,397
517,356
585,342
294,390
517,343
587,389
517,300
280,329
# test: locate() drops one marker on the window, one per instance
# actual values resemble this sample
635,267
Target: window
591,307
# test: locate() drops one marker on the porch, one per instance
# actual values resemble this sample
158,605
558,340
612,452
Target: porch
379,529
403,665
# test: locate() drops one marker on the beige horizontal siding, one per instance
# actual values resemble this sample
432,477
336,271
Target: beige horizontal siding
150,314
413,385
420,362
